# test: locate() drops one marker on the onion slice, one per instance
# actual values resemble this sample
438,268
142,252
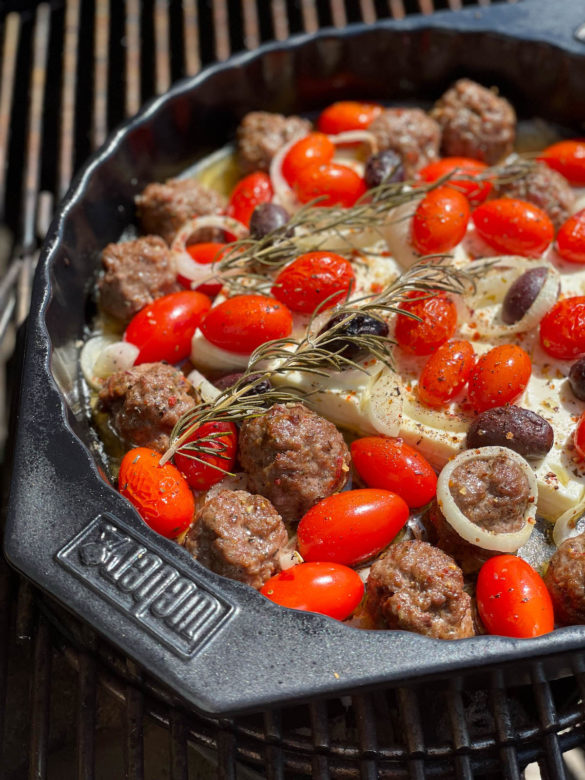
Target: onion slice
203,386
184,263
570,523
461,524
283,194
440,419
101,356
356,136
383,402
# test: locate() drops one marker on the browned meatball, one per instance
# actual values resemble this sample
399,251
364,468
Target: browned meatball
145,403
238,535
136,272
294,457
260,136
565,580
475,122
547,189
411,133
164,208
416,587
468,556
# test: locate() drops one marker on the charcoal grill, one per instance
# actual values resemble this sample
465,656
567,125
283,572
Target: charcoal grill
61,90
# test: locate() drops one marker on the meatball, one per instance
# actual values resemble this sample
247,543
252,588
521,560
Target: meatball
260,136
545,188
136,272
238,535
468,556
164,208
416,587
411,133
475,122
145,403
294,457
565,580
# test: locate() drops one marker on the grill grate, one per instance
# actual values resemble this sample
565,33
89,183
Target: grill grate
70,71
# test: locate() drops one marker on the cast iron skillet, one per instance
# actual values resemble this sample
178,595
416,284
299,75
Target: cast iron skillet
217,643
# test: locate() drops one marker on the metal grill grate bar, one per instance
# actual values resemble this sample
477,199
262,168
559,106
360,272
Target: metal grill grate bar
178,747
40,702
133,59
9,55
86,717
163,53
191,38
67,114
222,30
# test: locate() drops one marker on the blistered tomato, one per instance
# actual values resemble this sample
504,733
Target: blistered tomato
499,377
312,279
568,158
445,373
204,253
571,238
562,329
244,322
436,324
579,436
347,115
465,172
314,148
204,469
251,191
334,184
440,221
514,226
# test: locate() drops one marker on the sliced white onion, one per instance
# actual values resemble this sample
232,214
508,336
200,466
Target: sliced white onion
570,523
491,288
103,355
184,263
206,355
382,404
461,524
203,386
289,556
356,136
440,419
283,194
396,230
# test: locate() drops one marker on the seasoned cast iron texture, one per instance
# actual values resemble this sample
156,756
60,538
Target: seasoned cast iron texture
217,643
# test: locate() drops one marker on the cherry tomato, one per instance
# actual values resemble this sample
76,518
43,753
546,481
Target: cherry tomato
160,493
562,329
499,377
571,238
391,464
311,279
244,322
251,191
351,527
445,373
338,185
314,148
512,598
579,436
223,439
163,330
328,588
464,170
205,254
568,158
514,226
347,115
437,323
440,221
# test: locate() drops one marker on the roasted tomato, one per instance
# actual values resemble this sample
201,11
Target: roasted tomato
163,330
328,588
579,436
514,226
160,493
499,377
244,322
312,279
568,158
512,598
347,115
571,238
204,254
351,527
393,465
440,221
251,191
204,469
562,329
334,184
465,172
436,324
445,373
314,148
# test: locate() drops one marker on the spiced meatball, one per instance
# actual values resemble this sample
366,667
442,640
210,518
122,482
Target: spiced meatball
136,272
238,535
468,556
164,208
475,122
145,403
260,136
409,132
565,580
294,457
416,587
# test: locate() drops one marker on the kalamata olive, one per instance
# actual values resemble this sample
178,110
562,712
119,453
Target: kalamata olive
359,324
266,218
224,382
518,429
577,379
522,294
385,166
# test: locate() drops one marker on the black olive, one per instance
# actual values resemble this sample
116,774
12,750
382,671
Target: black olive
224,382
359,324
577,379
385,166
266,218
518,429
522,294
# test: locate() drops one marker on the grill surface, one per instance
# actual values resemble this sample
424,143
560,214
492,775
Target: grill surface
70,71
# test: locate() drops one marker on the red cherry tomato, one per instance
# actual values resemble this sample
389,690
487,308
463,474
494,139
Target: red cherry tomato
464,171
244,322
562,329
571,238
351,527
347,115
205,254
499,377
311,279
328,588
391,464
514,226
579,436
314,148
160,493
163,330
568,158
251,191
338,185
512,598
437,323
202,475
440,221
445,373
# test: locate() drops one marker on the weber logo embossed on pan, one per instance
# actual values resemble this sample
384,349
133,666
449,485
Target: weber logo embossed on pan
146,586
